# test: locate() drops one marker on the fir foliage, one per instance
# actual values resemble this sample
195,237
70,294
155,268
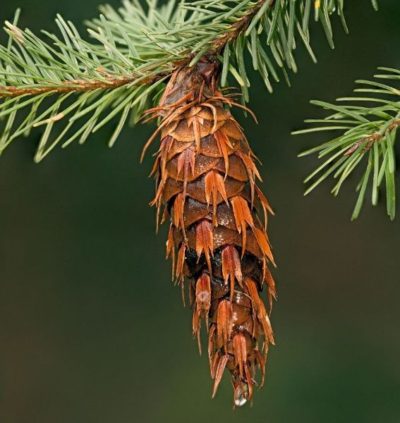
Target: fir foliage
368,125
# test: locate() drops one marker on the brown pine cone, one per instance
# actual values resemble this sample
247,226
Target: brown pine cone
206,185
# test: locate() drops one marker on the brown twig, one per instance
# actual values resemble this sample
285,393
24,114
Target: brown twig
77,85
238,27
368,141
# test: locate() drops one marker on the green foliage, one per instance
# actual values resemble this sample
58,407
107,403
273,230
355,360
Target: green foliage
72,87
368,126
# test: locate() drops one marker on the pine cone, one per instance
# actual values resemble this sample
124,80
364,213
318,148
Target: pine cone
206,186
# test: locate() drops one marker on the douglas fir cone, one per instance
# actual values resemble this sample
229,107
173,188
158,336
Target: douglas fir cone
206,187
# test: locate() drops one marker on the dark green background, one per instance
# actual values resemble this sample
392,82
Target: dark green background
91,329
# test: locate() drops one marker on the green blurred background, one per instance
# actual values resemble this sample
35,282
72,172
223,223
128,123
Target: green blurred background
92,330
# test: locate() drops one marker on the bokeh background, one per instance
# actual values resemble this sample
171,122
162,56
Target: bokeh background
92,330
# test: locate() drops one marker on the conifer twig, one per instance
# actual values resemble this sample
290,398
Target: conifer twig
111,81
368,125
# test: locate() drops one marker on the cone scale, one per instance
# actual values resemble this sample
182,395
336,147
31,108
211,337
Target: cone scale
206,189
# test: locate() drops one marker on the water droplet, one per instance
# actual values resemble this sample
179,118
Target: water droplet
241,394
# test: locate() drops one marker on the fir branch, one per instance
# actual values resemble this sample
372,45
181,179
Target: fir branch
367,140
74,86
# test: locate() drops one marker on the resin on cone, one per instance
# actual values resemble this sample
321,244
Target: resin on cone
206,187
